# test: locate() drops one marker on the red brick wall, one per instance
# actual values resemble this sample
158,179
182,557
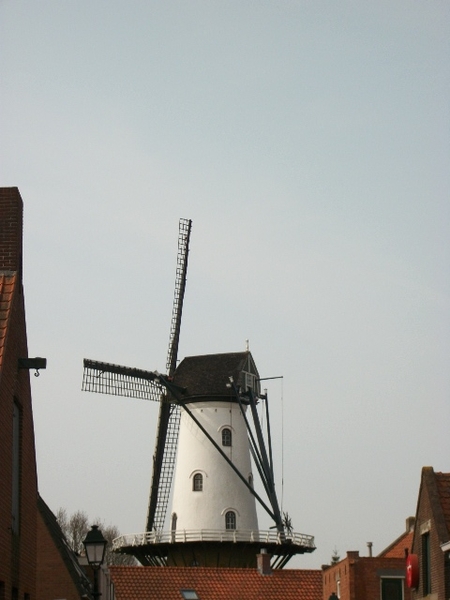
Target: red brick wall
360,577
53,579
344,573
17,552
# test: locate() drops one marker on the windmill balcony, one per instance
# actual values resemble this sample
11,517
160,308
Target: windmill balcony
209,535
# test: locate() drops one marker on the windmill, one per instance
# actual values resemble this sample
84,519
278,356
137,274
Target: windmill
214,500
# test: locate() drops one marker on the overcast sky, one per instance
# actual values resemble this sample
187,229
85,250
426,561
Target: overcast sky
309,144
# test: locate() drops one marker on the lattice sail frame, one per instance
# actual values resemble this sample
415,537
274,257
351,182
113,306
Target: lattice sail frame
165,454
166,472
184,234
115,380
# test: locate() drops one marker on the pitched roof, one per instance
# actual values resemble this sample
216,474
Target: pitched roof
7,287
398,546
68,556
154,583
209,374
443,488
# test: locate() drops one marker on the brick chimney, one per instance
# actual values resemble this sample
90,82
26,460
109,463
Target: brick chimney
410,522
352,554
263,562
11,217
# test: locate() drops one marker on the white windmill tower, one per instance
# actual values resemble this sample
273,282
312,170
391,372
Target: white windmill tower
209,424
208,494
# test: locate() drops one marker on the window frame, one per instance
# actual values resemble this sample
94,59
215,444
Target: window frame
227,437
230,520
197,482
426,563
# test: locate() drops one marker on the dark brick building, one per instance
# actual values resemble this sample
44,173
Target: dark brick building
431,544
17,452
35,561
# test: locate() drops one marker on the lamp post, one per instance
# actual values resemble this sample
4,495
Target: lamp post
95,545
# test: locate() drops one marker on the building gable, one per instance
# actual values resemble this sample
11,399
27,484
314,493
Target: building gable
17,451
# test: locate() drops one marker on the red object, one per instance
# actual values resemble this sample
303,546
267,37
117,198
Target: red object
412,571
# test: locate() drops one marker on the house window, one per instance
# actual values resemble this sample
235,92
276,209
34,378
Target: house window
226,437
230,520
197,484
426,564
391,588
189,594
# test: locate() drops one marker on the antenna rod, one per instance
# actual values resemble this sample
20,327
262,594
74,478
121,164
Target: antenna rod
267,468
269,435
268,481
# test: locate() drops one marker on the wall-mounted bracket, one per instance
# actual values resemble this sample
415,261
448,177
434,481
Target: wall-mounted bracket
33,363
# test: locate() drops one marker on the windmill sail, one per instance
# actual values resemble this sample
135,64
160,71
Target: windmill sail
106,378
178,295
169,414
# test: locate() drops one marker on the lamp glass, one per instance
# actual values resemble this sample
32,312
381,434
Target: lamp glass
95,546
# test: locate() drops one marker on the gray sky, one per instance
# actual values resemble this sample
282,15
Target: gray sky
309,144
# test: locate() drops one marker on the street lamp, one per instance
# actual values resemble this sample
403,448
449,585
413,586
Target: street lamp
95,545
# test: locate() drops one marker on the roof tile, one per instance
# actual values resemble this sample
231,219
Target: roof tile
398,547
208,374
7,286
443,487
154,583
